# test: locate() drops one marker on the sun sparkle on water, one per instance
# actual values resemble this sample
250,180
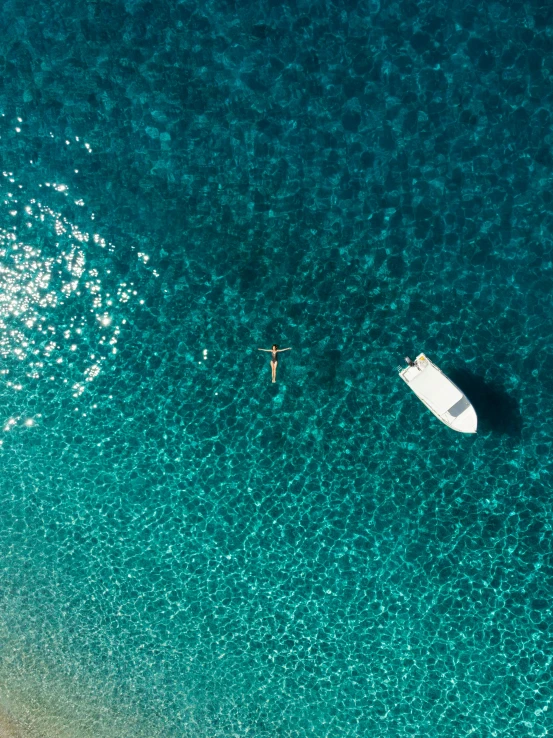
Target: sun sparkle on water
49,272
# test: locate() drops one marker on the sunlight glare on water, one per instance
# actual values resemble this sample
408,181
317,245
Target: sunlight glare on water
59,303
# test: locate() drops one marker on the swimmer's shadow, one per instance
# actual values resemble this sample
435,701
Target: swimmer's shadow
497,411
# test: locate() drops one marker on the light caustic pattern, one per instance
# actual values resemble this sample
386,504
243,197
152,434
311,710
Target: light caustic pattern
59,302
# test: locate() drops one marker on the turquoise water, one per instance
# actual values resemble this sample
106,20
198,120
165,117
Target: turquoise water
187,549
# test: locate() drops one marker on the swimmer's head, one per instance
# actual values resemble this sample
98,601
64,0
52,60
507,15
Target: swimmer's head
275,347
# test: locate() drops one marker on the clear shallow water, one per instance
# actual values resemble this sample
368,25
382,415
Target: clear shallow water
188,550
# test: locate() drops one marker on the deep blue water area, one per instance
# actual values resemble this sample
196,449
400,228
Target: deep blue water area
187,549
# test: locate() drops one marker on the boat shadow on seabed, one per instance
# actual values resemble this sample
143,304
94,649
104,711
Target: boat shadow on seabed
497,411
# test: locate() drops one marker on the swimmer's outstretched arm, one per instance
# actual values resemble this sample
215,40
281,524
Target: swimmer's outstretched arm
270,351
279,350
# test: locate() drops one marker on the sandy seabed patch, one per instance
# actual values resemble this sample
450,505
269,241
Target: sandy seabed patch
8,727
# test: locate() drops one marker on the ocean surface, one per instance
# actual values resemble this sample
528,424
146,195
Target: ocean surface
186,549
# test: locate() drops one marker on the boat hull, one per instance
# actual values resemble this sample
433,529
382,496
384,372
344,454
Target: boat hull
440,395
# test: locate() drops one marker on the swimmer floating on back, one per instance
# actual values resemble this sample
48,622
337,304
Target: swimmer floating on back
274,358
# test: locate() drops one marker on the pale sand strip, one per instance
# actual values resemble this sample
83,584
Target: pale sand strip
64,713
8,728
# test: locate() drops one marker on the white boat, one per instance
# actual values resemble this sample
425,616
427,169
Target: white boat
439,394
